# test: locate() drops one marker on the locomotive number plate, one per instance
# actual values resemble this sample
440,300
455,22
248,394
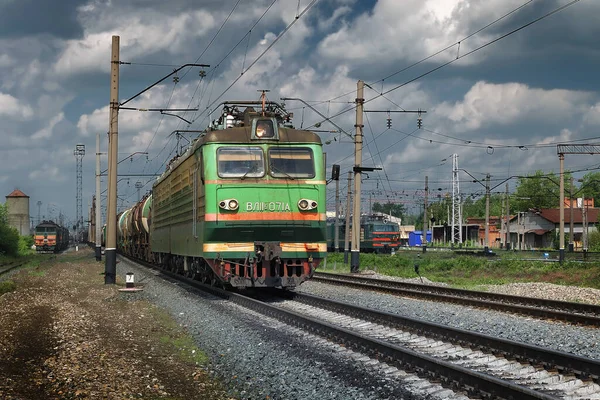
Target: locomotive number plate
268,206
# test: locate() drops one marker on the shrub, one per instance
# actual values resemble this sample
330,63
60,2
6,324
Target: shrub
25,244
9,240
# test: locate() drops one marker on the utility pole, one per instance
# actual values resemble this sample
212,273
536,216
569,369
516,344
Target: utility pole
425,220
39,204
79,152
507,241
571,241
585,227
110,270
358,141
138,186
335,175
347,238
561,251
486,247
98,221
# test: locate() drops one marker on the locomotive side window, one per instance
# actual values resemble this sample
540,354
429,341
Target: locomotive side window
240,162
291,162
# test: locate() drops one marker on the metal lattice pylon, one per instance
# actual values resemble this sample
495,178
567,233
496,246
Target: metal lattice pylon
456,206
79,152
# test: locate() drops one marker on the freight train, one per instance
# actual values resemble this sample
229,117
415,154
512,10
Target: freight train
50,237
377,234
244,206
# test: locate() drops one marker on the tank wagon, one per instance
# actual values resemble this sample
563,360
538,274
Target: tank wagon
50,237
377,234
244,206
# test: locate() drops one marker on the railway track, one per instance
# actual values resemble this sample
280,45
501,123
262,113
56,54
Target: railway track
574,313
5,268
467,363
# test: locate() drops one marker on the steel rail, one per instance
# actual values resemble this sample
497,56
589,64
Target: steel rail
515,304
582,367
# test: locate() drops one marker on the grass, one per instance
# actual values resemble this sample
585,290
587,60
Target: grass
7,286
468,271
179,341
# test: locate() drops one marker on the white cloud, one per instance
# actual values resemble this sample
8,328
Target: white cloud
46,132
486,104
146,33
592,115
49,173
11,107
413,29
6,60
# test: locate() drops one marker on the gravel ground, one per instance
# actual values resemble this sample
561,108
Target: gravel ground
262,358
69,336
583,341
66,335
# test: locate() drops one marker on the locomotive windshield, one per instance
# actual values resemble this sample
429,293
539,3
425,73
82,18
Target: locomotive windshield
291,162
240,162
384,228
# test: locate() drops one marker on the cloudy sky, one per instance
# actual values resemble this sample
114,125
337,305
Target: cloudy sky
502,107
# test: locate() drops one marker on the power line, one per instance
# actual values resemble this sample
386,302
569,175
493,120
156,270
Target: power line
287,28
458,57
215,35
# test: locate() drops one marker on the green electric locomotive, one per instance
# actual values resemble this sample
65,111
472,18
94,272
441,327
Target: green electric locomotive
377,234
244,206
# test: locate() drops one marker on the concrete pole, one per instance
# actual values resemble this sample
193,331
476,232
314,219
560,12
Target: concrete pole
336,242
358,140
347,238
486,247
425,220
98,221
561,249
110,270
507,241
584,212
571,241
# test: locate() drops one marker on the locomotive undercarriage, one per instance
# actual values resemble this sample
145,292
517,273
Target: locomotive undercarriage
240,273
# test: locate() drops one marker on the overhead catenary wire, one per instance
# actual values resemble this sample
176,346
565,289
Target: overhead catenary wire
459,57
281,34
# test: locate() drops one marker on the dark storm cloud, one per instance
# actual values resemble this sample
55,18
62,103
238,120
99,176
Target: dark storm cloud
31,17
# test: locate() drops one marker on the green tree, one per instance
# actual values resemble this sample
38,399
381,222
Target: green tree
538,190
439,209
590,187
9,236
394,209
476,209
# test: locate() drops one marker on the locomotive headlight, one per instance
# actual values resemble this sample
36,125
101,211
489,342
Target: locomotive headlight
303,204
233,204
307,204
229,204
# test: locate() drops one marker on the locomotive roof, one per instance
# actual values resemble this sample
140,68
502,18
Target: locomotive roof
47,224
243,135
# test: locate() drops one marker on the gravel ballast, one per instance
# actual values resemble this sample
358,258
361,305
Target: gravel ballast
263,358
260,357
582,341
